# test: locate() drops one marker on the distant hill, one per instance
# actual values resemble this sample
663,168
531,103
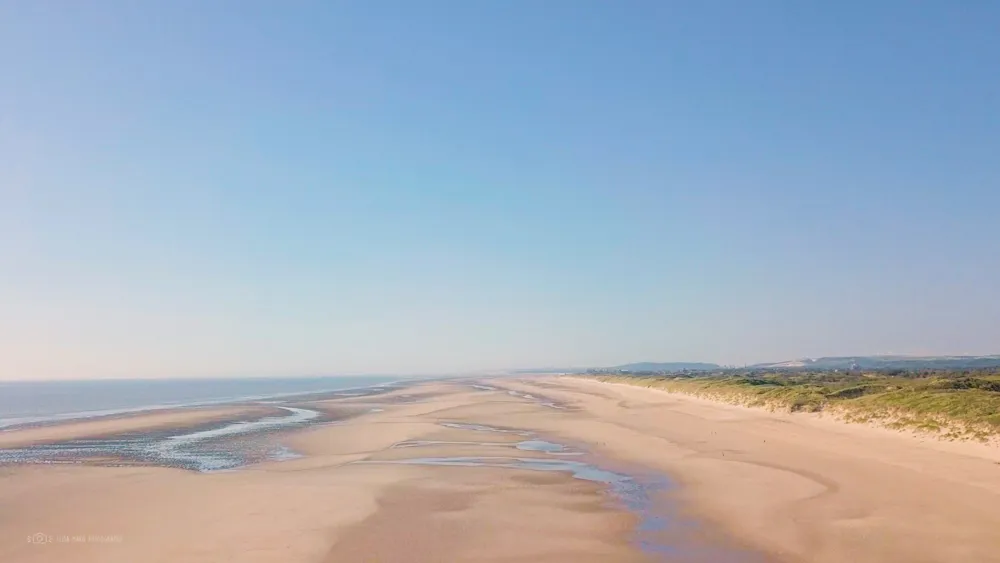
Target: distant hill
666,366
819,364
546,371
632,368
887,362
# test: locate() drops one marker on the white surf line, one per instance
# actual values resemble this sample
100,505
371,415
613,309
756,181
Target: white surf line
173,448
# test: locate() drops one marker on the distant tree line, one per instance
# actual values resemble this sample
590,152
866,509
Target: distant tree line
828,374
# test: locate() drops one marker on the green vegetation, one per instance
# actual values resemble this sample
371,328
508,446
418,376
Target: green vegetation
952,404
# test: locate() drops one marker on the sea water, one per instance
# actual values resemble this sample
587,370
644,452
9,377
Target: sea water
207,447
33,402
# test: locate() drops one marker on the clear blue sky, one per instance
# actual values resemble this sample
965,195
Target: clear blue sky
225,188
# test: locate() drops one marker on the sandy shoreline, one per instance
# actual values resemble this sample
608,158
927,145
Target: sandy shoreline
325,507
801,488
833,422
746,486
131,422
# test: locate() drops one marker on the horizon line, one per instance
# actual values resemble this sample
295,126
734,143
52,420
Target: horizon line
478,372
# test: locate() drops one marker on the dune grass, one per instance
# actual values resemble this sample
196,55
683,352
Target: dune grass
953,406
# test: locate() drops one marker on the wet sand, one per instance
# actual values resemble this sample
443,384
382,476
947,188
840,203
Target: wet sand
365,490
137,422
547,469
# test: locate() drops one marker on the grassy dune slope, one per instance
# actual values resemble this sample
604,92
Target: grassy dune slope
953,406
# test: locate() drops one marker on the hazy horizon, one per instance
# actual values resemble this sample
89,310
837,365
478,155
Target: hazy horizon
240,189
472,372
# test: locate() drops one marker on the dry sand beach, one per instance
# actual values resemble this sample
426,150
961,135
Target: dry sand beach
535,469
